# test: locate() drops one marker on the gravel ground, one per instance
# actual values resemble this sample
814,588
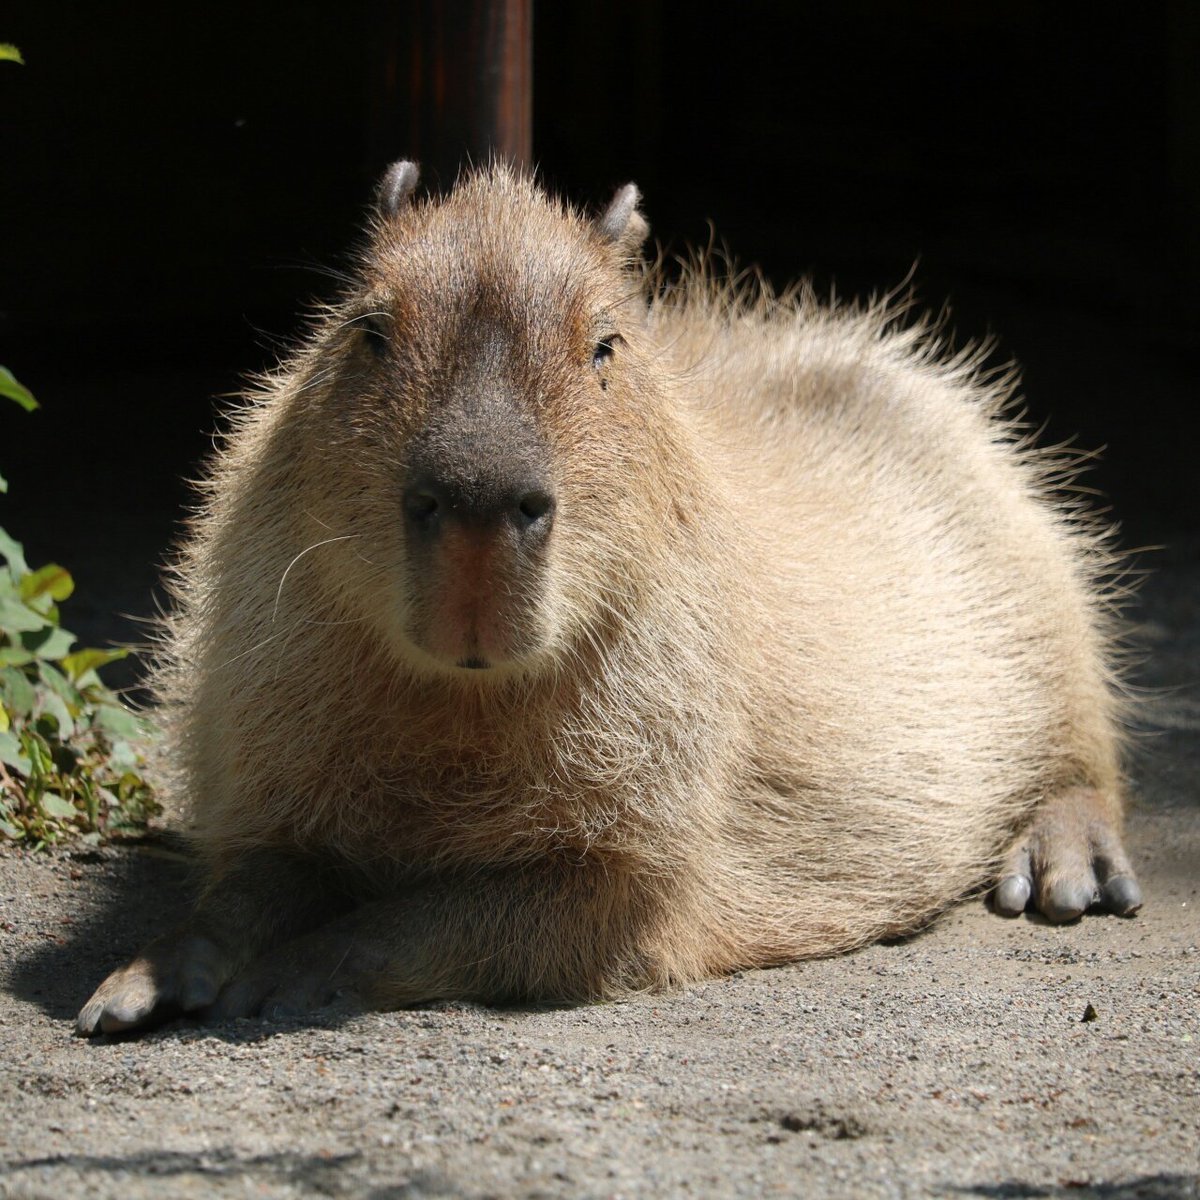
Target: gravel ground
983,1058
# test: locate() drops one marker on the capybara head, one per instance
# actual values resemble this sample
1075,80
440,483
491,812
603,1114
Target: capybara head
490,433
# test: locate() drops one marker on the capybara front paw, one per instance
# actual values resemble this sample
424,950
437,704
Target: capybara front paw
168,978
1070,859
260,993
295,979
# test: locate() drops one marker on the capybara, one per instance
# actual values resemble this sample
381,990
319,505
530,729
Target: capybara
550,631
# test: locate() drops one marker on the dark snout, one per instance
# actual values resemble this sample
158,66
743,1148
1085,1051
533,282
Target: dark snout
478,505
520,501
480,465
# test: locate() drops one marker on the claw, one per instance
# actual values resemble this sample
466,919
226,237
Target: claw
1121,895
1067,900
1012,895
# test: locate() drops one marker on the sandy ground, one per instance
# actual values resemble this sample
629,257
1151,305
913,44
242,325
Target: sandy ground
983,1058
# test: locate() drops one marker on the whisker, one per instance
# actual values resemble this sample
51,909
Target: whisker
315,546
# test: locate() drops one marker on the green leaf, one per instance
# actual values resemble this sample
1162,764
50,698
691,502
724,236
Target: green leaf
16,391
11,552
3,485
19,618
119,723
57,682
35,745
52,704
50,580
91,804
56,806
17,692
16,617
5,723
47,642
77,665
10,753
14,656
123,757
9,53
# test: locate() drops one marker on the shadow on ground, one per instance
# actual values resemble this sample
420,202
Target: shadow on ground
1148,1187
128,896
315,1174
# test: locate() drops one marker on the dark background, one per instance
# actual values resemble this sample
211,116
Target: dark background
171,185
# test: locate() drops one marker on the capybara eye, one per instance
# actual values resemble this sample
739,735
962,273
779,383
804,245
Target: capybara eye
604,349
376,332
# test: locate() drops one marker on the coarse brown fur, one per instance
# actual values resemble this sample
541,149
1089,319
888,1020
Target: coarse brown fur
813,638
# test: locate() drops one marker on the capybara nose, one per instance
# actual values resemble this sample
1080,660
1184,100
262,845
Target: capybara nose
524,505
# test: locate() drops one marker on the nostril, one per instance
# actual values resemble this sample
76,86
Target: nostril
428,501
420,504
535,505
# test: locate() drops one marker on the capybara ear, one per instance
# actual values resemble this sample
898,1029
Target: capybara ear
396,187
621,222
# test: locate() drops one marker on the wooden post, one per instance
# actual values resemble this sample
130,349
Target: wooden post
457,84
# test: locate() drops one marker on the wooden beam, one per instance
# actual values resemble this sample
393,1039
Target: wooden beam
456,85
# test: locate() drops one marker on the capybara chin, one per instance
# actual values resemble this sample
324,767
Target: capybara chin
549,632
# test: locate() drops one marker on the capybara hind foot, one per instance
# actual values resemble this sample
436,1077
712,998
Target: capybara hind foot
173,975
1069,859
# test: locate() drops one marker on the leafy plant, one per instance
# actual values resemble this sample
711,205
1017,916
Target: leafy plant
72,758
71,754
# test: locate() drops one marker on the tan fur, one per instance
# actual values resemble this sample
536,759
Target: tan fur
817,634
